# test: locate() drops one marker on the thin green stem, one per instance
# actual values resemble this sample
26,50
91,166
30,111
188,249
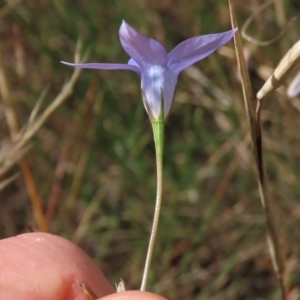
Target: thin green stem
158,132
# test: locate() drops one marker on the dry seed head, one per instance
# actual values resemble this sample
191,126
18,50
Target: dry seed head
289,63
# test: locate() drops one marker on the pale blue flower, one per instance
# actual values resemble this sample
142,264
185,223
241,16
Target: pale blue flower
294,87
158,69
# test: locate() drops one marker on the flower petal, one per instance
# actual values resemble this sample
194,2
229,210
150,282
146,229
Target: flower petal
133,62
197,48
105,66
141,48
294,87
157,80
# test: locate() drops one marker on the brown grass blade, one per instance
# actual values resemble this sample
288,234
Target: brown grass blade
30,130
21,140
255,129
11,118
6,182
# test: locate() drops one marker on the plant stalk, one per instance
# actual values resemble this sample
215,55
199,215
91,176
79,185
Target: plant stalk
158,132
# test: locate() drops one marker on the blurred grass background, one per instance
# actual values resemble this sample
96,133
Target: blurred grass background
93,160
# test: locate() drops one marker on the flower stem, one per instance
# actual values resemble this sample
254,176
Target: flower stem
158,132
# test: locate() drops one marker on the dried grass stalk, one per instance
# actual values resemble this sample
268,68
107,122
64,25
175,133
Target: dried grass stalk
289,63
253,115
23,137
6,182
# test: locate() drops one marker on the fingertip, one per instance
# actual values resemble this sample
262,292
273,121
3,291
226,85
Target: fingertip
133,295
44,266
